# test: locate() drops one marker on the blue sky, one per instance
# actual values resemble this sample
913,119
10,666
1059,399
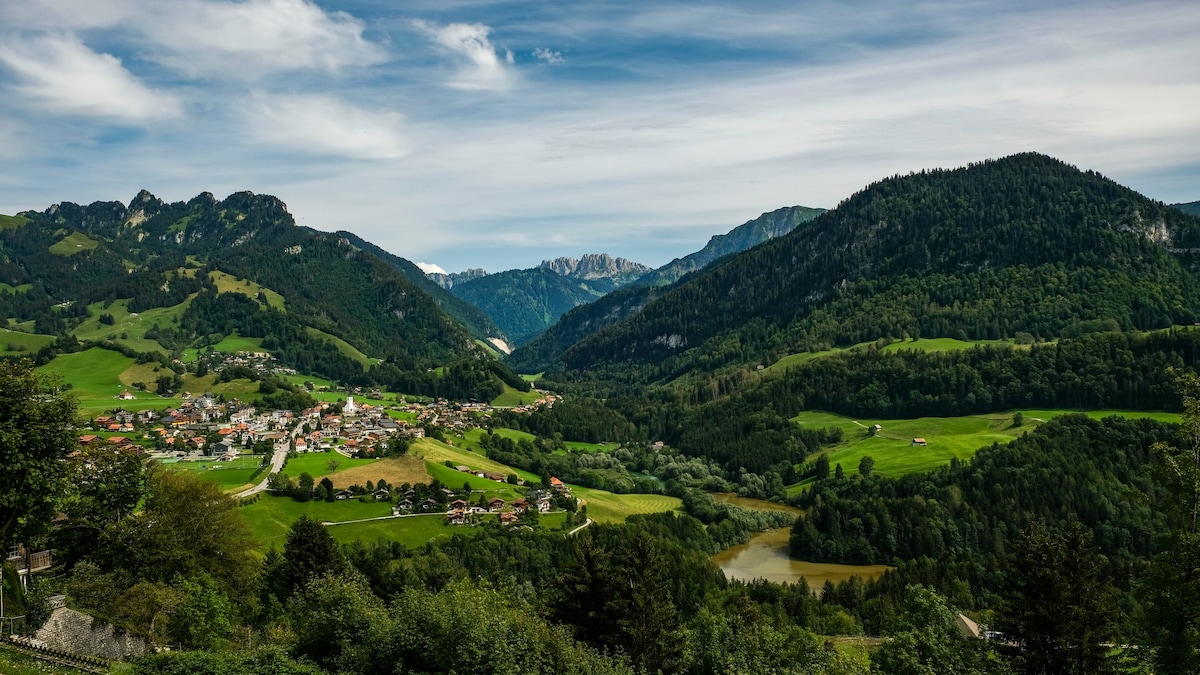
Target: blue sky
496,134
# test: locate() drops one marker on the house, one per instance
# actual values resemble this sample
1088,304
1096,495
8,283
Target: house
508,518
558,485
457,517
382,494
876,428
402,507
495,504
520,505
84,440
919,441
344,494
543,505
126,395
458,504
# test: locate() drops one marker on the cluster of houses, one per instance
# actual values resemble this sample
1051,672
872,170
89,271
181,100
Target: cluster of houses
260,362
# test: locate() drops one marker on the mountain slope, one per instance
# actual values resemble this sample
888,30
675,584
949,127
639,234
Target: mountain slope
525,302
1021,244
745,236
1190,208
582,321
155,254
475,320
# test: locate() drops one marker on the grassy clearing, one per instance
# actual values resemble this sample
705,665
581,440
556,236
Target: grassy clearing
73,243
236,343
270,517
607,507
923,344
946,437
532,378
395,470
316,464
348,350
132,325
12,222
15,343
438,452
93,373
227,283
510,397
589,447
13,662
21,288
244,470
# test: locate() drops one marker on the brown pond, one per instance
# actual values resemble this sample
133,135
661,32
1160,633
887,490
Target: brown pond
766,557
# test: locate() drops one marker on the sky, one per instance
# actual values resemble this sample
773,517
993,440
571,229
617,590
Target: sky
468,133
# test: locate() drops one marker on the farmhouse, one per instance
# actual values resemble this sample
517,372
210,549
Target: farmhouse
919,441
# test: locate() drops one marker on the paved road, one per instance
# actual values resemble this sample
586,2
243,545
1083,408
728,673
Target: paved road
277,460
585,524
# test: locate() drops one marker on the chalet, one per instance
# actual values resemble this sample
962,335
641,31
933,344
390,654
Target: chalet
919,441
543,505
84,440
558,485
494,476
382,494
520,505
344,494
508,518
103,420
458,504
402,507
477,510
430,504
495,504
464,469
126,396
457,517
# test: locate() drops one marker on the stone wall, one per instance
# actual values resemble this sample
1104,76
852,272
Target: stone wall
73,631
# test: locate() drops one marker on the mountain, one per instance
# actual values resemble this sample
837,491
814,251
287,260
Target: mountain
1024,244
745,236
448,281
582,321
218,265
525,302
475,320
600,270
1190,208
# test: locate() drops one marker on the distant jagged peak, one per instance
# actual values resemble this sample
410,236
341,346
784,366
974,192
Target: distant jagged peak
595,266
448,281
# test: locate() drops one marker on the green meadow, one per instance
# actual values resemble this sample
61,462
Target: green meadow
244,470
17,343
946,437
348,350
922,344
510,397
73,243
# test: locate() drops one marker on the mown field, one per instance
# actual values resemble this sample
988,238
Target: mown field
946,437
922,344
510,397
241,472
17,343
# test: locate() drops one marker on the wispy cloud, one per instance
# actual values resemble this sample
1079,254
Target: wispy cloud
481,65
61,74
548,55
203,37
430,268
320,124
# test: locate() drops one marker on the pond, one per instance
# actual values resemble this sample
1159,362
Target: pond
766,557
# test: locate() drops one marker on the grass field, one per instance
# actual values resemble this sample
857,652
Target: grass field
348,350
74,243
237,343
94,375
20,288
270,517
24,343
316,464
240,472
12,222
946,437
532,378
511,397
923,344
132,326
395,470
227,283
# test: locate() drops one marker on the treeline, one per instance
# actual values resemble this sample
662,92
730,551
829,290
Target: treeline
962,520
573,418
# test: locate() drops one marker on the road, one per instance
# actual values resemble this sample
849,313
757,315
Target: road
277,460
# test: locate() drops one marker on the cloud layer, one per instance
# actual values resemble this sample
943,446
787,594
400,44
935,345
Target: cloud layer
440,131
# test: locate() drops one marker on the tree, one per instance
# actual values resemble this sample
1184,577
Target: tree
310,552
821,467
35,438
926,640
203,618
865,466
1171,588
1060,608
327,485
1018,419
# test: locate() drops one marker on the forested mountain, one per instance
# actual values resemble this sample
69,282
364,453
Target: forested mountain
155,254
526,302
475,320
1025,244
587,319
1190,208
743,237
600,270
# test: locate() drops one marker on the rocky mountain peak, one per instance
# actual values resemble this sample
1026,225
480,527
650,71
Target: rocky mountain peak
595,266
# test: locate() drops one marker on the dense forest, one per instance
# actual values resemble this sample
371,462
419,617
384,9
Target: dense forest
524,303
1024,244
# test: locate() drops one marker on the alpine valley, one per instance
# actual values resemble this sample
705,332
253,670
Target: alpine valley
962,403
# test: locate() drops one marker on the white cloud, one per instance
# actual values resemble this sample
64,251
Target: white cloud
326,125
61,74
430,268
481,66
548,55
246,39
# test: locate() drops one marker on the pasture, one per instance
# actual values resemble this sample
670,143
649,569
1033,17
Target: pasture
946,437
17,343
922,344
511,398
243,471
73,243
